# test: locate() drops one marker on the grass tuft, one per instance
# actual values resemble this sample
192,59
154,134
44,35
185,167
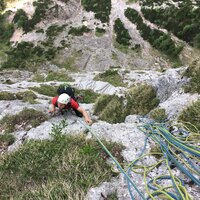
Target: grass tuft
110,108
6,140
193,72
88,95
53,76
27,96
158,114
111,76
192,115
62,168
23,120
47,90
141,99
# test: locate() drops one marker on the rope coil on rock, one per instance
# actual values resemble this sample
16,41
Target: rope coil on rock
168,144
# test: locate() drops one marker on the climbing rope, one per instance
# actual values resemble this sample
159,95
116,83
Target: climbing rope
176,150
115,161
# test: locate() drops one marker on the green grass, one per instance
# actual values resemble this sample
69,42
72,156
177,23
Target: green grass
69,62
193,72
53,76
7,96
101,8
79,31
191,115
88,95
99,32
22,120
110,108
47,90
6,140
158,114
27,96
141,99
62,168
111,76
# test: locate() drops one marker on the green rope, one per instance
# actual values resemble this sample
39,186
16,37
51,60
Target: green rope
116,162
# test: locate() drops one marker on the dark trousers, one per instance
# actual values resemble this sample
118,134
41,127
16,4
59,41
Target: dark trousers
79,114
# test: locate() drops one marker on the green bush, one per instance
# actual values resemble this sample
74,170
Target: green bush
24,119
88,95
21,19
193,72
181,20
78,31
6,140
111,76
53,30
41,7
155,37
26,55
2,5
110,108
158,114
99,32
113,109
6,29
101,8
192,115
123,36
141,100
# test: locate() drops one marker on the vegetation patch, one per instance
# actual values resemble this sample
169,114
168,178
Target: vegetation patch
123,36
2,5
88,95
191,116
141,100
6,140
47,90
53,76
193,72
101,8
53,30
23,120
113,109
181,19
70,62
110,108
158,114
6,28
111,76
27,96
62,168
21,19
79,31
100,32
24,55
158,39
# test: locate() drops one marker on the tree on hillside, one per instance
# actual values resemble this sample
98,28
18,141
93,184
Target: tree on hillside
2,5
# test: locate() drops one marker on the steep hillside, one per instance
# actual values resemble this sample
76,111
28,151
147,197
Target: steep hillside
60,31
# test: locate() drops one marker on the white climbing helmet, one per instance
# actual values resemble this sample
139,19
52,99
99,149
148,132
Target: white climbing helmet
64,99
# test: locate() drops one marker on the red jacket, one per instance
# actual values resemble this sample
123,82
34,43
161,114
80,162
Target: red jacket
72,103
